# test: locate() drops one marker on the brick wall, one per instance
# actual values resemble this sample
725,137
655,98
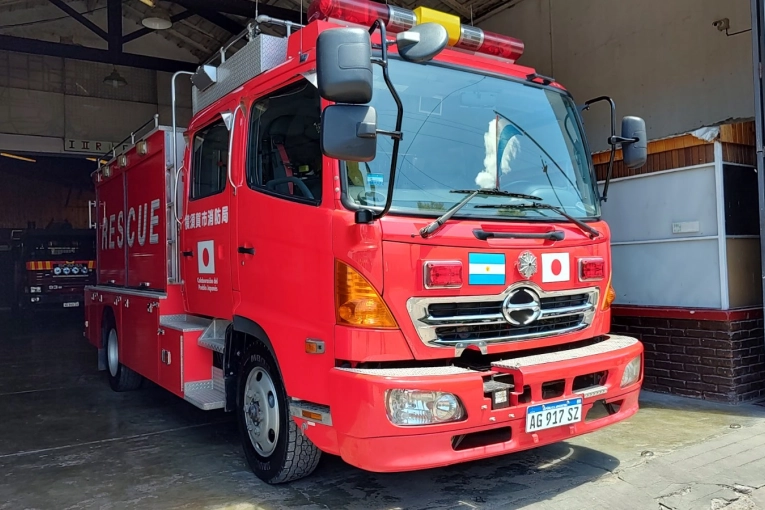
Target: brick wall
715,355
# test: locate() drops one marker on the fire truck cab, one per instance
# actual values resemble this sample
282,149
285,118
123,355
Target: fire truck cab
386,247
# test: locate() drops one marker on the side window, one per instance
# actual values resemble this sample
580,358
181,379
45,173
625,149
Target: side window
285,151
209,168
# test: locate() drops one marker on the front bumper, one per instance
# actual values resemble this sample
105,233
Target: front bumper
364,436
52,300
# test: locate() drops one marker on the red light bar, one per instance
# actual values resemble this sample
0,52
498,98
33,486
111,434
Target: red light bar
396,19
363,12
443,275
497,45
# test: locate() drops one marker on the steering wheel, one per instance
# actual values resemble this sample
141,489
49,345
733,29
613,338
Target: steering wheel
297,182
370,198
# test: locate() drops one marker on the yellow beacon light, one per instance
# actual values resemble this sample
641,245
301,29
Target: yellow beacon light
449,21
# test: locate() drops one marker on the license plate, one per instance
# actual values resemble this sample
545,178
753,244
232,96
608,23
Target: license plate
74,304
554,414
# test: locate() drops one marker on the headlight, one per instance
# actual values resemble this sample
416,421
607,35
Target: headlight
57,270
67,270
631,372
75,270
416,407
84,270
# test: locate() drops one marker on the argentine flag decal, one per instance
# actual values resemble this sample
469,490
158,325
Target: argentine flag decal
486,269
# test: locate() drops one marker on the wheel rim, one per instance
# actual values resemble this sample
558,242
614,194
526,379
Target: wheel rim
113,353
261,411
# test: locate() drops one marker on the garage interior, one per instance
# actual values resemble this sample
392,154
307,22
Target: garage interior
77,77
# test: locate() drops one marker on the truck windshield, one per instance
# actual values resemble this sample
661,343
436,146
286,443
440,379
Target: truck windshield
463,131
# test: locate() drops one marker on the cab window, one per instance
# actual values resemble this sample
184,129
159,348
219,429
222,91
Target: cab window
285,150
209,167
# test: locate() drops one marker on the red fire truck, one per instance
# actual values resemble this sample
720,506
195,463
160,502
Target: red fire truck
52,267
379,238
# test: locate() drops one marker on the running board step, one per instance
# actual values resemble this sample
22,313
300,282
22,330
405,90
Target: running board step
214,336
207,395
206,398
183,322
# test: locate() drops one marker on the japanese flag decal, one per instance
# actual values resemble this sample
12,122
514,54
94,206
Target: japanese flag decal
555,267
206,259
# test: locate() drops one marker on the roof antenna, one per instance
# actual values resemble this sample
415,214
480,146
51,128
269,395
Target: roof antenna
471,15
301,32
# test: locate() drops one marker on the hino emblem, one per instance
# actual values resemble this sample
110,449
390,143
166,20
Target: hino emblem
527,264
522,307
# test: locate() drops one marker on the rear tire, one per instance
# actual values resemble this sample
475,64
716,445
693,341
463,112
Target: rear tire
275,449
121,378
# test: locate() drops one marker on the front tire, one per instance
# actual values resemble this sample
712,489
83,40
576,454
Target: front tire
121,378
275,449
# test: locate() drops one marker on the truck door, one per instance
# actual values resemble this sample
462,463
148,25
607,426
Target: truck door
283,242
205,244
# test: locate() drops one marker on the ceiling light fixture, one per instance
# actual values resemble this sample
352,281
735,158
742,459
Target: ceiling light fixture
150,3
115,79
20,158
157,19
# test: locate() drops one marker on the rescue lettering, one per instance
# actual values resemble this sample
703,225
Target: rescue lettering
130,235
142,234
111,232
154,237
119,228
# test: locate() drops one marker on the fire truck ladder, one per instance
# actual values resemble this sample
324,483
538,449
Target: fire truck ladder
209,393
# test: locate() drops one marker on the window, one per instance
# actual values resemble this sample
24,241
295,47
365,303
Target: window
465,130
209,168
285,151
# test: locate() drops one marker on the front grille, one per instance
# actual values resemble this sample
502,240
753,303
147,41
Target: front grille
461,321
441,310
493,332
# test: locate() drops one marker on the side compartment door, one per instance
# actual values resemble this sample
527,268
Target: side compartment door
205,241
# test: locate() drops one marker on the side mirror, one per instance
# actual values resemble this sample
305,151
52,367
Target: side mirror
344,65
422,42
349,132
635,152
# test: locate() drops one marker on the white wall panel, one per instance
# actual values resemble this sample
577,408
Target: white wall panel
91,118
644,208
683,274
31,112
651,265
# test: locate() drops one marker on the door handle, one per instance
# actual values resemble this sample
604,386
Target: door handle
246,251
187,253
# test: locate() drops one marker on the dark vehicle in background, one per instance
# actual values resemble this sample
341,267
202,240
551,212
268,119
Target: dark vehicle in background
52,267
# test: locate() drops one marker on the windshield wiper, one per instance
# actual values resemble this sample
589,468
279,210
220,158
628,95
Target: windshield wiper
579,223
433,227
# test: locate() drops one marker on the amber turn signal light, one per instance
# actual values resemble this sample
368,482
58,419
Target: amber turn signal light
357,303
609,297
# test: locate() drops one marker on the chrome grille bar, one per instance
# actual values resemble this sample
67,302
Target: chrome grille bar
447,328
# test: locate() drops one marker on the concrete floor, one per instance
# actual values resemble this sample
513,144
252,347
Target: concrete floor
67,441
